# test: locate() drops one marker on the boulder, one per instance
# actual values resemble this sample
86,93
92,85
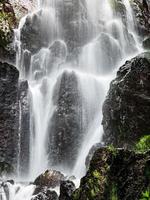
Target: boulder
65,130
115,174
66,190
46,195
49,178
127,105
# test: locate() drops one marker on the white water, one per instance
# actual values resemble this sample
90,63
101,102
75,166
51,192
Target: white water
96,67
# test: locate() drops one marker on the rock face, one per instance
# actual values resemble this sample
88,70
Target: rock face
66,190
50,178
115,174
9,113
141,10
14,117
127,106
7,23
65,132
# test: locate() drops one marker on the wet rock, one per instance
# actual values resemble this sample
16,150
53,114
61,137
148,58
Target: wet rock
65,130
91,153
146,43
7,23
127,105
115,174
46,195
5,169
24,129
50,178
9,113
141,10
58,52
66,190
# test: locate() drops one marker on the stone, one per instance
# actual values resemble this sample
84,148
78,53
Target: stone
50,178
115,174
46,195
66,190
9,114
127,105
65,130
146,43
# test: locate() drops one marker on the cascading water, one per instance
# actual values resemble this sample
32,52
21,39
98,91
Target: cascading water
69,68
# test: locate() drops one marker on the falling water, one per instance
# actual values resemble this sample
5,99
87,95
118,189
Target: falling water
91,74
68,81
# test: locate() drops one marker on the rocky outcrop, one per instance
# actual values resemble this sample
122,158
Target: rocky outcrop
127,105
11,11
66,190
9,113
46,195
141,10
146,43
115,174
50,178
14,117
7,23
65,130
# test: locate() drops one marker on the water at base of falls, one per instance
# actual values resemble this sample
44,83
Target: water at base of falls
69,68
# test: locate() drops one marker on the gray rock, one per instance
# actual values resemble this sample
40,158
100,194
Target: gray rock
127,105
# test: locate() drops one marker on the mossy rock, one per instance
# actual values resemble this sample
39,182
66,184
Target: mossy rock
115,174
7,23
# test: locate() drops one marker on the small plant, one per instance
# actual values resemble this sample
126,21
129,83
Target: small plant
146,195
144,144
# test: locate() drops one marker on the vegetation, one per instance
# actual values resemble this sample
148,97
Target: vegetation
144,144
146,195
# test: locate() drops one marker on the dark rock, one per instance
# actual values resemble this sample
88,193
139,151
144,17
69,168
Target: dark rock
127,106
8,22
65,131
11,182
9,113
66,190
46,195
115,174
146,43
6,168
32,36
141,10
91,153
50,178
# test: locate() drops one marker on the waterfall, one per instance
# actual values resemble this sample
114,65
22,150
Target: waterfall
69,52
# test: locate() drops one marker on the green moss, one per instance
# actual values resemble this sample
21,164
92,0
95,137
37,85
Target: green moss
143,145
146,195
113,150
96,174
114,195
7,24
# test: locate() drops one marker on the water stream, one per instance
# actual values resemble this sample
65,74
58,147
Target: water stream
69,79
